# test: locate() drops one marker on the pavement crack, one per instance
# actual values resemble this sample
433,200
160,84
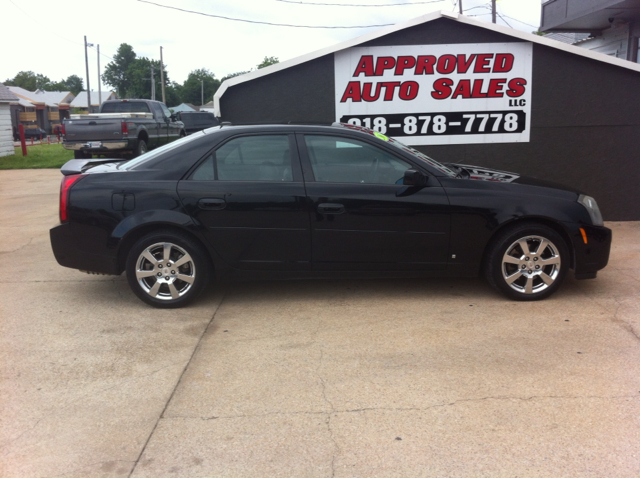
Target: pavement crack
66,405
177,385
336,447
19,248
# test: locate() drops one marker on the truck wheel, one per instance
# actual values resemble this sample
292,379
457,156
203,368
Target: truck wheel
81,155
141,148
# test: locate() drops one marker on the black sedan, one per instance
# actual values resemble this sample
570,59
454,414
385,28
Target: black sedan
287,201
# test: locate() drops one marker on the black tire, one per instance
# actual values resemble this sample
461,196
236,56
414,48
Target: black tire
141,148
81,155
175,286
527,262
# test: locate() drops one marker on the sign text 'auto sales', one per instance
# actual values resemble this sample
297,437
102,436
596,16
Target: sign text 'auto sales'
437,94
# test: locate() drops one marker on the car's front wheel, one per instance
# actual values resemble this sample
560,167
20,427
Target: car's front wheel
527,262
167,269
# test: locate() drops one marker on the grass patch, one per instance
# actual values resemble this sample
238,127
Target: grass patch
39,156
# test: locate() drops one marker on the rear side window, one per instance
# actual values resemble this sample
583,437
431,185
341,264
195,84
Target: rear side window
249,158
125,107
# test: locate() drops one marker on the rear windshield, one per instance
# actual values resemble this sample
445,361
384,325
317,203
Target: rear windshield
125,107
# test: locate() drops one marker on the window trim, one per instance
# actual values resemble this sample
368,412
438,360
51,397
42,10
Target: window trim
293,152
307,167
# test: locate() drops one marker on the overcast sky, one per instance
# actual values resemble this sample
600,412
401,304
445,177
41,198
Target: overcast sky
47,36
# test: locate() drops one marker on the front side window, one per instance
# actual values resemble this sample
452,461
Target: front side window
249,158
342,160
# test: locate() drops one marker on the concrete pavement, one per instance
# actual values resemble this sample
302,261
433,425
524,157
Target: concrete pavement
310,378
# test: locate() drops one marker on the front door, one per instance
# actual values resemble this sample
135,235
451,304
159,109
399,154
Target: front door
249,197
362,217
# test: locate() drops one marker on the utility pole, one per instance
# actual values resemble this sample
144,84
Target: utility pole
86,63
164,100
201,92
99,79
153,84
460,6
493,11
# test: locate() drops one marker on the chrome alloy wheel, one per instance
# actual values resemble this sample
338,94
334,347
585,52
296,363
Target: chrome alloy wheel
165,271
531,264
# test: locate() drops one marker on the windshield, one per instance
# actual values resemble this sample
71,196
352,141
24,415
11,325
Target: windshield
397,144
131,164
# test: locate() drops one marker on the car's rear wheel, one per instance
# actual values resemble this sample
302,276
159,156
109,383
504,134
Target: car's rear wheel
167,269
527,262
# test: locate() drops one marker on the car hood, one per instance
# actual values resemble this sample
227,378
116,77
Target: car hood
479,173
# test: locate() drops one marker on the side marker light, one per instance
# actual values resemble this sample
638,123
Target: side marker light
584,235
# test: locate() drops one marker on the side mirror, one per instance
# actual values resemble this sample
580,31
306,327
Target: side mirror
413,177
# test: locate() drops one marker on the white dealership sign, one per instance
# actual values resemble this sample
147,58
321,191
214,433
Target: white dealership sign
437,94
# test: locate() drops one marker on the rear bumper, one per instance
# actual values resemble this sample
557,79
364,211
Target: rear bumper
70,252
592,256
104,146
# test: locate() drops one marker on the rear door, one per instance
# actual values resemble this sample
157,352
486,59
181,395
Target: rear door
249,198
362,217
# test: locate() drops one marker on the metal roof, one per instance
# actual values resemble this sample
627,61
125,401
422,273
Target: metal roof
49,98
80,101
6,95
411,23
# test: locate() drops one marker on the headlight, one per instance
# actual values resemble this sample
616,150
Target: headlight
592,208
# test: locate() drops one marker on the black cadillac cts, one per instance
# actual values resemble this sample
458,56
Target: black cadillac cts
287,201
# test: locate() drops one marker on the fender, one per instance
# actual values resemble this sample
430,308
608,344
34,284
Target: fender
125,233
150,217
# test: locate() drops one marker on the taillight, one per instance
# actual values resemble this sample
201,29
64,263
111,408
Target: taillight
124,128
65,189
63,130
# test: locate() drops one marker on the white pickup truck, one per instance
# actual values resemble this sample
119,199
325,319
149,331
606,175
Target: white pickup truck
122,127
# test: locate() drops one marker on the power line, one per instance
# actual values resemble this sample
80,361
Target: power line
29,16
359,5
261,23
503,19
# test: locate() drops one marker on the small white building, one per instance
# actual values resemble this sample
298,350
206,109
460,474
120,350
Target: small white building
6,130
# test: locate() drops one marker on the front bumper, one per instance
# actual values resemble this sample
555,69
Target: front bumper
592,256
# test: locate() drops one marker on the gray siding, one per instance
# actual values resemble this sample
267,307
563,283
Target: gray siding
6,134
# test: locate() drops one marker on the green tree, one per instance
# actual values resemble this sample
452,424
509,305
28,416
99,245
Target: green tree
173,92
233,75
268,61
191,91
29,81
116,73
73,83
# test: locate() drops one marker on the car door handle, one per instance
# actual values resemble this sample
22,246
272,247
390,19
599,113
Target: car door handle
329,208
212,204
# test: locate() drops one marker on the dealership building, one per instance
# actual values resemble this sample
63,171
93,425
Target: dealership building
468,92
